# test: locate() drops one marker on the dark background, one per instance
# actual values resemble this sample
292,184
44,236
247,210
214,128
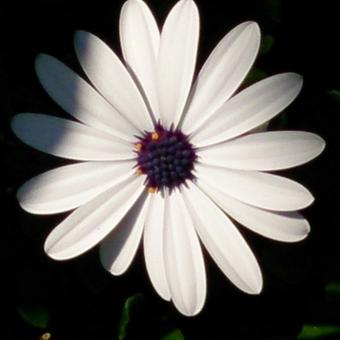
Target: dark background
80,299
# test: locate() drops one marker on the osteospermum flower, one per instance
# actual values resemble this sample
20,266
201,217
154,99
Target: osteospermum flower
166,162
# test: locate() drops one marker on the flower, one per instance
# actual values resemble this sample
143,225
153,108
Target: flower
166,162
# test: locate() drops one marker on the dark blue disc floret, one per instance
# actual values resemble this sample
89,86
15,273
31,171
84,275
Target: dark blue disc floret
166,157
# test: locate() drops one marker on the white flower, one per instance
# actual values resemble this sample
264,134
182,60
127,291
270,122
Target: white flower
165,161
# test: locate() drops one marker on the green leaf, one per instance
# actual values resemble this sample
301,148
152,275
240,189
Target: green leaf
266,44
318,331
36,315
176,334
335,94
127,312
333,288
255,75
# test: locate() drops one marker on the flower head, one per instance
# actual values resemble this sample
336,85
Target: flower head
165,161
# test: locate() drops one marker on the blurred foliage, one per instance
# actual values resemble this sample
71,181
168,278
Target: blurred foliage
254,75
136,318
318,331
174,335
128,308
333,288
267,43
335,94
35,315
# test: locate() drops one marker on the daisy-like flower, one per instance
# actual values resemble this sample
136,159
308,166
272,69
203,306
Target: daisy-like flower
165,162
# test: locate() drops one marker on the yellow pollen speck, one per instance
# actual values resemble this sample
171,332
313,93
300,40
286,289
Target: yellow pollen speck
152,190
45,336
138,146
139,172
155,136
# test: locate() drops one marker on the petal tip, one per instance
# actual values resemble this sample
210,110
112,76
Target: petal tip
108,265
41,64
257,288
20,195
190,313
16,123
39,58
322,144
309,199
296,77
79,35
303,236
165,295
184,4
254,284
50,248
257,291
189,310
24,205
253,25
54,255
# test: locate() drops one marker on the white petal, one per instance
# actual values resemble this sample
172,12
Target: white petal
177,59
70,186
261,128
112,79
259,189
139,38
184,263
223,242
68,139
89,224
79,99
118,249
265,151
280,226
222,73
154,246
249,109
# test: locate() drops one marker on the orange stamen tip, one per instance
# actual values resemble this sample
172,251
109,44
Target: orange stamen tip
152,190
154,135
139,172
138,146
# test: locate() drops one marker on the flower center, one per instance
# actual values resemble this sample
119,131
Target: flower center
166,157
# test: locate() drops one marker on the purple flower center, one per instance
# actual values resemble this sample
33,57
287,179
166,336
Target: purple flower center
166,157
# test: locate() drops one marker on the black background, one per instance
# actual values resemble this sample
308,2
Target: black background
85,302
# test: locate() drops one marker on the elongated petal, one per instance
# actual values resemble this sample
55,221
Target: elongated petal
281,226
222,73
71,186
79,99
139,38
261,128
111,78
68,139
223,242
153,240
90,223
184,263
259,189
177,59
249,109
265,151
118,249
